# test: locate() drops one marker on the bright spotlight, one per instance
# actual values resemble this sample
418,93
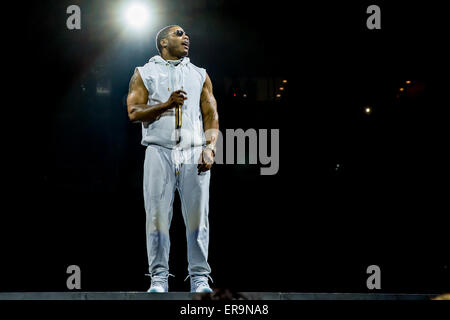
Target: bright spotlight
137,15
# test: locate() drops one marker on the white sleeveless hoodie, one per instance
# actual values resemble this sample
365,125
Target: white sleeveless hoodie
161,78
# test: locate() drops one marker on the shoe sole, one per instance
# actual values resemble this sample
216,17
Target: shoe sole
204,290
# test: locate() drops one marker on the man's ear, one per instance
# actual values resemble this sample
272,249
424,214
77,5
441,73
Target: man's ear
164,43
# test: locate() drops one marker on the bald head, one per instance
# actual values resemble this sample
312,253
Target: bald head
172,42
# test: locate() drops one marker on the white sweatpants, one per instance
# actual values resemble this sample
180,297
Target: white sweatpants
164,171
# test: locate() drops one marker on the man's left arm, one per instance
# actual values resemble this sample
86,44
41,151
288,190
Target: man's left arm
208,106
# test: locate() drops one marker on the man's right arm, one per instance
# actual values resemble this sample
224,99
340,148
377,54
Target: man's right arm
139,110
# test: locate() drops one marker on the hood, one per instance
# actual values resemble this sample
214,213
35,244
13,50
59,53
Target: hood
176,78
158,59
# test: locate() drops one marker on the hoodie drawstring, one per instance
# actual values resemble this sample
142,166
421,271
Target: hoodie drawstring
177,154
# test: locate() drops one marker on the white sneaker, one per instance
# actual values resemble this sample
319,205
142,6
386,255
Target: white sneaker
159,284
200,284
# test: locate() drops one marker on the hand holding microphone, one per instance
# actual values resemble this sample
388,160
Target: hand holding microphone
176,100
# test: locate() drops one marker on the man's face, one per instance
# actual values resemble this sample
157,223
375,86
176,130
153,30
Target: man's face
178,42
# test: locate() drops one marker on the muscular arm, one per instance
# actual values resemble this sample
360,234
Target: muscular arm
208,106
138,109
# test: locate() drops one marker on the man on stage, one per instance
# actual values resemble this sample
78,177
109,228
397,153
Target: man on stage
174,101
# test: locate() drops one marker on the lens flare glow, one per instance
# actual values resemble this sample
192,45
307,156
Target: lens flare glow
137,15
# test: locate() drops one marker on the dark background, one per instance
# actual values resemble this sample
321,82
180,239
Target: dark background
72,162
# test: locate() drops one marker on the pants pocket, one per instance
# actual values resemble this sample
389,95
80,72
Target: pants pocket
157,174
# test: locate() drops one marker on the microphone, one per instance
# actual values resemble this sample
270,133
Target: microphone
178,123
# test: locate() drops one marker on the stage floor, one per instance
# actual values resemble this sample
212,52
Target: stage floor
195,296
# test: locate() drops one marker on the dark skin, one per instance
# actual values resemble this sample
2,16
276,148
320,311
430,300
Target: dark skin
176,47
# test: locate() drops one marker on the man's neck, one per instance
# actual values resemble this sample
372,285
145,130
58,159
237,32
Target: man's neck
167,56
